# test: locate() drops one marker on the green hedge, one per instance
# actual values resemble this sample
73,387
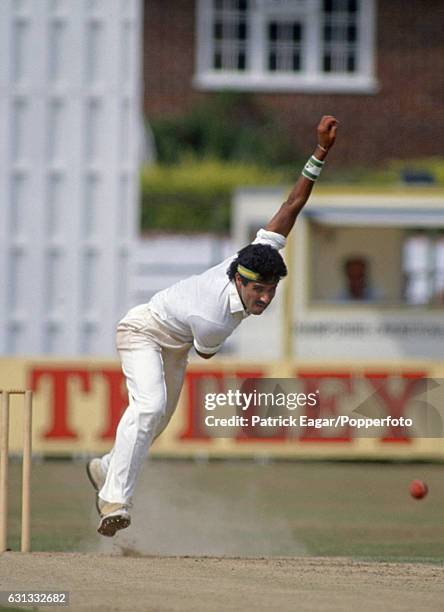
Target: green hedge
227,141
392,173
196,196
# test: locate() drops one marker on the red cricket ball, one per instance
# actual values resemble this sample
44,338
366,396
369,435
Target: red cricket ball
418,489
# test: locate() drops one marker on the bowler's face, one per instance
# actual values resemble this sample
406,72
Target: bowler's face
255,296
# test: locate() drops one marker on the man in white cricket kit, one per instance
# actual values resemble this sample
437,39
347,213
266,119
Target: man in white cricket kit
154,339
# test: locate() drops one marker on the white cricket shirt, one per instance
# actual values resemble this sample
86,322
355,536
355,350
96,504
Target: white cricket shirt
205,309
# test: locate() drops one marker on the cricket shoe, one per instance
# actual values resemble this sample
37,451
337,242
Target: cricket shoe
97,477
113,517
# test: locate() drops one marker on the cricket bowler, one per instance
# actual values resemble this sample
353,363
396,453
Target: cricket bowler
154,339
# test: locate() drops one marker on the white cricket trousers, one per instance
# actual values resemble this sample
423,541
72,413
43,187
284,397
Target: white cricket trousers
154,377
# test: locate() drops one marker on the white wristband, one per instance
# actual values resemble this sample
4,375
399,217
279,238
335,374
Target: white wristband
312,168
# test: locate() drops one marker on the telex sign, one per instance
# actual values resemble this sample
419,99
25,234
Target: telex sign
241,409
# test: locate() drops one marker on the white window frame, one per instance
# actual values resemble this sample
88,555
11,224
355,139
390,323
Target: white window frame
257,77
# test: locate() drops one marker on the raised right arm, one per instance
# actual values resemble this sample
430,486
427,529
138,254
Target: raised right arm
285,218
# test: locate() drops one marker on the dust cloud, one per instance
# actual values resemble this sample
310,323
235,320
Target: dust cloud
204,509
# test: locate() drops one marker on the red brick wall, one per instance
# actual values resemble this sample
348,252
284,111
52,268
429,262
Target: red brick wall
404,119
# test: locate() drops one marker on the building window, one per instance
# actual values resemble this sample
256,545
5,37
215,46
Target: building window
286,45
230,29
339,39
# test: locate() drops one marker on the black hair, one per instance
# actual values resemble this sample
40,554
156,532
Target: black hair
260,258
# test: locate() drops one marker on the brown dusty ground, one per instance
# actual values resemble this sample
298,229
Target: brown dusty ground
237,537
197,584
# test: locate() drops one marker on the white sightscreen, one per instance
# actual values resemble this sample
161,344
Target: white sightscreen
69,90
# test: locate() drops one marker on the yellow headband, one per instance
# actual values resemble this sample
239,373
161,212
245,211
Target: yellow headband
246,273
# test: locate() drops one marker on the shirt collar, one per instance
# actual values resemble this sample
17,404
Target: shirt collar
235,301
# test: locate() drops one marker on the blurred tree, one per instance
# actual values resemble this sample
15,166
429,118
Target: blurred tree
231,127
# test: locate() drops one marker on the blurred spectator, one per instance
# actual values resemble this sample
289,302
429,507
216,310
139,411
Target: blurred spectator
357,284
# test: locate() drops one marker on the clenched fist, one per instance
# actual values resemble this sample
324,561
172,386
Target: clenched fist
327,131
